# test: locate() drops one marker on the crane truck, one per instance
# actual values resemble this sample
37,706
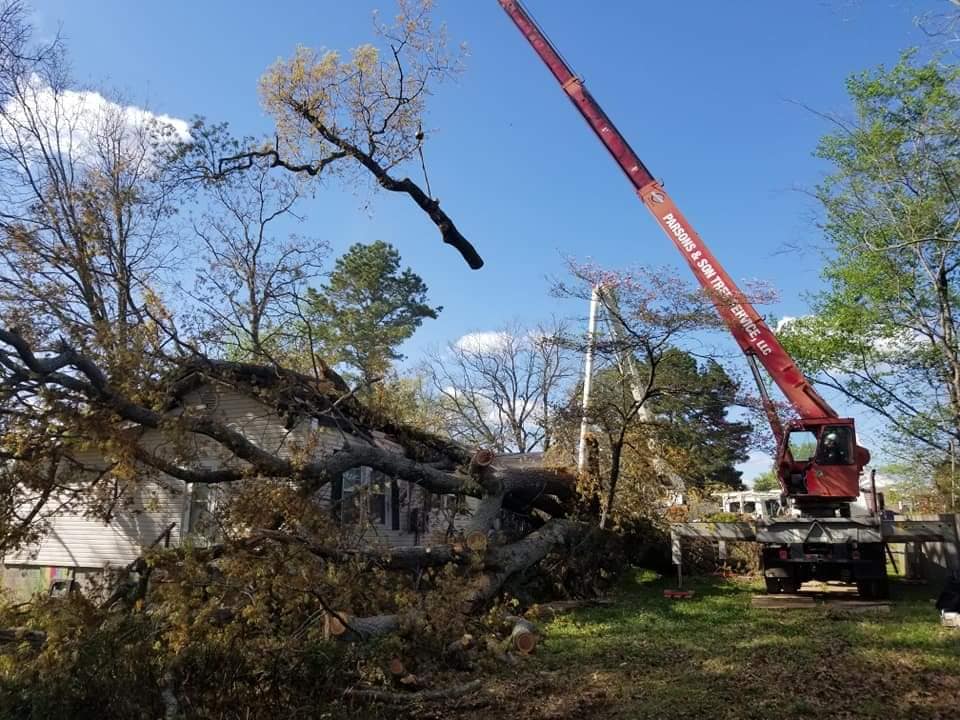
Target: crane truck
819,462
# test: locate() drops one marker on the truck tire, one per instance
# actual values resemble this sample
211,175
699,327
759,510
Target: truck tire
773,585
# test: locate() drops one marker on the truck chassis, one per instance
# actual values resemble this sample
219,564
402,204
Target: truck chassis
796,550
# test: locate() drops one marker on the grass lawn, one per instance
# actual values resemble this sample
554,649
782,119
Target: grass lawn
716,657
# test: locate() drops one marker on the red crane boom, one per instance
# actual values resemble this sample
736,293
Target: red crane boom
745,323
823,482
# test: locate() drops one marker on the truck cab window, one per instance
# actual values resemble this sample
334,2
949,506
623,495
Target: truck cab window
802,445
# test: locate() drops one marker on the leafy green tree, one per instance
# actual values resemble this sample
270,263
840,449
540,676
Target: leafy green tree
691,413
883,332
766,481
686,433
366,310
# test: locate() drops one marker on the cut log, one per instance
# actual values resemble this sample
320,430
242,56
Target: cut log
344,626
481,458
410,681
336,624
467,642
396,668
458,653
477,541
523,636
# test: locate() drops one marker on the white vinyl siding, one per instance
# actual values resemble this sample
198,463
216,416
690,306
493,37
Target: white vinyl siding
83,542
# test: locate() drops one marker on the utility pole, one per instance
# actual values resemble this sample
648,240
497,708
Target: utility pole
588,376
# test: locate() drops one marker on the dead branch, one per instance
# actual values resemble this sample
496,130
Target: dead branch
16,636
559,607
390,698
392,558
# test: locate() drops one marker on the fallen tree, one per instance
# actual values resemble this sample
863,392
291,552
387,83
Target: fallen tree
429,594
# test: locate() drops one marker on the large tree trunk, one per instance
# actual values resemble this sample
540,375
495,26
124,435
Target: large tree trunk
507,560
616,451
500,563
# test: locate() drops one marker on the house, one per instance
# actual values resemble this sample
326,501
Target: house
164,509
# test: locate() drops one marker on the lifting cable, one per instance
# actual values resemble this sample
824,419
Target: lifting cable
423,164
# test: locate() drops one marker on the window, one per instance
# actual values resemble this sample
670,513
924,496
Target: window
349,508
836,445
773,508
360,495
802,445
453,503
377,491
749,507
734,507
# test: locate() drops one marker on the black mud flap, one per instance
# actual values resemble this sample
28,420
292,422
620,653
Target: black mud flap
949,600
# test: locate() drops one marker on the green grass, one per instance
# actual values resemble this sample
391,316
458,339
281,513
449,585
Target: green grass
715,656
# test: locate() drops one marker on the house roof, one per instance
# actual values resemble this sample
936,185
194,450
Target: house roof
327,399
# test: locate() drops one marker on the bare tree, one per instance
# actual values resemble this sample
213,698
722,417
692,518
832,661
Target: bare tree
256,268
942,24
85,211
499,389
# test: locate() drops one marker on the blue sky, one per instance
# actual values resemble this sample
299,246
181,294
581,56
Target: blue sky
706,92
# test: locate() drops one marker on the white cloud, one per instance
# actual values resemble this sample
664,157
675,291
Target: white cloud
76,119
488,341
784,321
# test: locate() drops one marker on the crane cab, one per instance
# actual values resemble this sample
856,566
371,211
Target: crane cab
819,464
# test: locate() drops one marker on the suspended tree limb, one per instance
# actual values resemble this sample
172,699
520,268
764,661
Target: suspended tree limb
244,161
448,231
